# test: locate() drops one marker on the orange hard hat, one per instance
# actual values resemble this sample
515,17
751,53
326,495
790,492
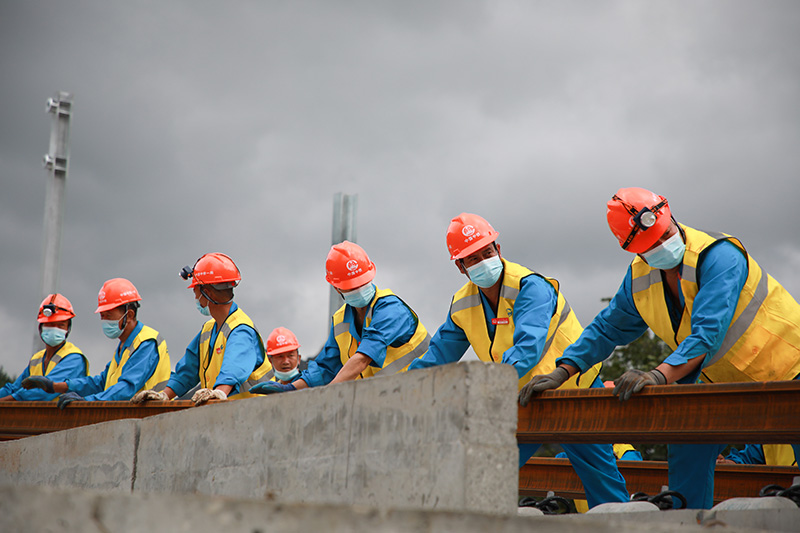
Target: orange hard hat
348,266
281,340
467,234
55,308
213,269
116,292
638,218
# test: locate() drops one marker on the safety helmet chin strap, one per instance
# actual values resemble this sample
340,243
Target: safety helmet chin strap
636,214
207,297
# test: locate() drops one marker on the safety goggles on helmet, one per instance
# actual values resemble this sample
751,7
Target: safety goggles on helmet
643,219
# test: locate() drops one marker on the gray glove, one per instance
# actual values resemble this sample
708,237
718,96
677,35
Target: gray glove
203,395
147,395
543,382
635,380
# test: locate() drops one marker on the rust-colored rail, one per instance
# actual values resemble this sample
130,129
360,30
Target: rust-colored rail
761,412
541,475
23,419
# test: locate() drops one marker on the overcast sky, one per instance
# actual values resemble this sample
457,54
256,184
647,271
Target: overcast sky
229,126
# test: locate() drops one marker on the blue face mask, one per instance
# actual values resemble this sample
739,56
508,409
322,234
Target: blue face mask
205,311
667,255
486,273
111,329
287,376
360,297
53,336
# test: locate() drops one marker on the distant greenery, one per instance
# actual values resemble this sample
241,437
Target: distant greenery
5,378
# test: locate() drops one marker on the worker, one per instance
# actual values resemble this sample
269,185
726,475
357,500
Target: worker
761,454
60,360
140,361
227,356
283,352
512,315
725,319
373,333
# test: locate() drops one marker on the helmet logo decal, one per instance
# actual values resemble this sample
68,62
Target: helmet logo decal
102,295
281,339
468,230
352,265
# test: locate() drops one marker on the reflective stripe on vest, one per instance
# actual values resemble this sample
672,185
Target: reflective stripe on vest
210,361
467,312
397,358
763,340
158,380
35,364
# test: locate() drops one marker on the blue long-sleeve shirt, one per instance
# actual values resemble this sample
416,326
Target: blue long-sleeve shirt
72,365
137,370
534,307
242,356
392,323
721,275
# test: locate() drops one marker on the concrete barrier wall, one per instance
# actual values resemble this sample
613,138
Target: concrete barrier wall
442,438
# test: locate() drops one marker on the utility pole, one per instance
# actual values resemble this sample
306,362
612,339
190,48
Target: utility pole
344,229
56,163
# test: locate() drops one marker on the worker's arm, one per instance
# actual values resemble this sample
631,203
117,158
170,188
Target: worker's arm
72,365
186,374
447,345
352,368
134,374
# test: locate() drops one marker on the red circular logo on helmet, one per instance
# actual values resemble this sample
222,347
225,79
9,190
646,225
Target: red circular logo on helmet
352,265
468,230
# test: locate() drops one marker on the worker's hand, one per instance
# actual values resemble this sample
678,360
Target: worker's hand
67,398
147,395
271,387
38,382
723,461
635,380
203,395
543,382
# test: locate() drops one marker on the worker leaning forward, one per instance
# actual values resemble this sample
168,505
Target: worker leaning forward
140,362
510,314
60,359
227,357
373,333
725,319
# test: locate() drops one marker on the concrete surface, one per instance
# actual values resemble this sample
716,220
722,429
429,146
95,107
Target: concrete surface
77,510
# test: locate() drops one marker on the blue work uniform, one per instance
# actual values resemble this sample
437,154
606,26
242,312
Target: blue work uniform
72,365
136,371
393,324
721,274
533,310
243,353
757,454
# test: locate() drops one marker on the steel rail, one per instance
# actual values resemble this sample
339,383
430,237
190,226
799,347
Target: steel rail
541,475
759,412
24,419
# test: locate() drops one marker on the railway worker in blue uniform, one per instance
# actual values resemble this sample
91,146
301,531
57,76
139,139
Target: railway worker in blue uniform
226,357
724,317
373,333
510,314
58,361
283,352
141,359
761,454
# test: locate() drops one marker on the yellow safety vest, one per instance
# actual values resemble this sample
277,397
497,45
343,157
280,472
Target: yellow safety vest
158,380
763,340
397,357
35,364
211,361
779,455
467,312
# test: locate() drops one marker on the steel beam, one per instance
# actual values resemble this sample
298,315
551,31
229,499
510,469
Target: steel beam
541,475
760,412
24,419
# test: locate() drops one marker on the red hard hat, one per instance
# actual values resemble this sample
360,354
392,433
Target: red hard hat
281,340
55,308
467,234
638,218
215,268
116,292
348,266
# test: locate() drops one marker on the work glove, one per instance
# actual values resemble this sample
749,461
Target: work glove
635,380
38,382
271,387
543,382
146,395
203,395
67,398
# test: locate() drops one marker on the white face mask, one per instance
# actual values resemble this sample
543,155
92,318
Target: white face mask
286,376
668,254
487,272
360,297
